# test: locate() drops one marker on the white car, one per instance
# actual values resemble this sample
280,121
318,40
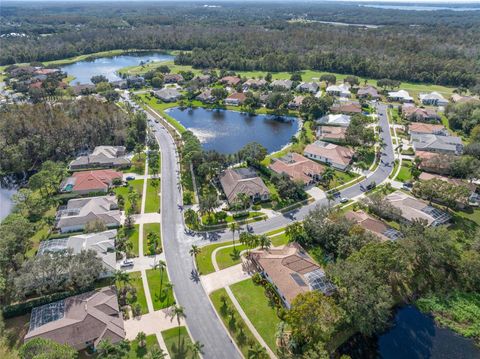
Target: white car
343,200
126,263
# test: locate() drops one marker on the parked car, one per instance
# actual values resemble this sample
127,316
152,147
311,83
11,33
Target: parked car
126,263
343,200
371,185
130,178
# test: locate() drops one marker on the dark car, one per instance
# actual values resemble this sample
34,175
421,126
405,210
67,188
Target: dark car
130,178
371,186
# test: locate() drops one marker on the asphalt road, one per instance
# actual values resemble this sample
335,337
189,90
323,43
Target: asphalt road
201,319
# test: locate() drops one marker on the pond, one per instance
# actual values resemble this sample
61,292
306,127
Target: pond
6,203
414,335
228,131
108,66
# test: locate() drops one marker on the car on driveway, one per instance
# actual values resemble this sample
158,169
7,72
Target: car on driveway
130,178
127,263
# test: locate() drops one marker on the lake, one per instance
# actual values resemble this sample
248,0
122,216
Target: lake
228,131
108,66
414,335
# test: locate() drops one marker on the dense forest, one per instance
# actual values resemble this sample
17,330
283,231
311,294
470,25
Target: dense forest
441,48
33,134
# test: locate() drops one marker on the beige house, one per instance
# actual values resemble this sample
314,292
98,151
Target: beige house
81,321
373,225
291,271
243,180
298,168
337,156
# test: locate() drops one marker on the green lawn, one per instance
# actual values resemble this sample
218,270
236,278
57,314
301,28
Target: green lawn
255,304
133,235
224,256
147,228
232,320
137,185
139,352
152,202
136,282
279,240
178,342
160,107
162,297
204,258
138,165
404,175
208,219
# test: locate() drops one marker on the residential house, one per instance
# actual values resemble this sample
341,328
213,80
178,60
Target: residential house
400,96
434,162
81,321
120,84
350,108
235,99
373,225
90,181
434,143
331,133
291,271
243,180
78,212
284,84
168,94
298,168
462,99
338,156
414,209
206,96
102,157
254,84
103,243
416,128
172,78
311,87
368,92
230,80
342,90
44,71
84,89
413,113
433,98
135,81
335,120
204,79
296,103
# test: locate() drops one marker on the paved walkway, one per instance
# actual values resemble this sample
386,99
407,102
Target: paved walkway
143,218
225,277
248,323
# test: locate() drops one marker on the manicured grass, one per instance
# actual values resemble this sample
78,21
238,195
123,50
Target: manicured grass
152,202
136,282
178,342
147,228
160,108
138,165
232,321
255,304
132,235
458,311
279,240
137,185
139,352
225,257
162,297
275,231
404,175
395,169
210,220
204,258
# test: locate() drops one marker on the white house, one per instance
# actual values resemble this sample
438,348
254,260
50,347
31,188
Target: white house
335,120
433,98
400,96
342,90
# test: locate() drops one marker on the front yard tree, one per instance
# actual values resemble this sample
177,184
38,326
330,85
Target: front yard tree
314,107
253,153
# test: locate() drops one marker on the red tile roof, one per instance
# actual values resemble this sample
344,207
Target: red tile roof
94,180
297,167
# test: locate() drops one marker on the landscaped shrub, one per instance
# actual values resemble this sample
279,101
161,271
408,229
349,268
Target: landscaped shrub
256,207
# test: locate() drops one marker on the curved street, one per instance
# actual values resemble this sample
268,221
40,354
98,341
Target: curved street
202,320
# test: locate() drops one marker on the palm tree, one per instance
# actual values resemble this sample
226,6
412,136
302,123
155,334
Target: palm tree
142,339
161,265
330,198
191,218
234,227
257,352
179,313
105,348
328,175
264,241
121,277
168,287
196,349
194,251
156,353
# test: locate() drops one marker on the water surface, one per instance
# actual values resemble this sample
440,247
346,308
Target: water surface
6,203
228,131
108,66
